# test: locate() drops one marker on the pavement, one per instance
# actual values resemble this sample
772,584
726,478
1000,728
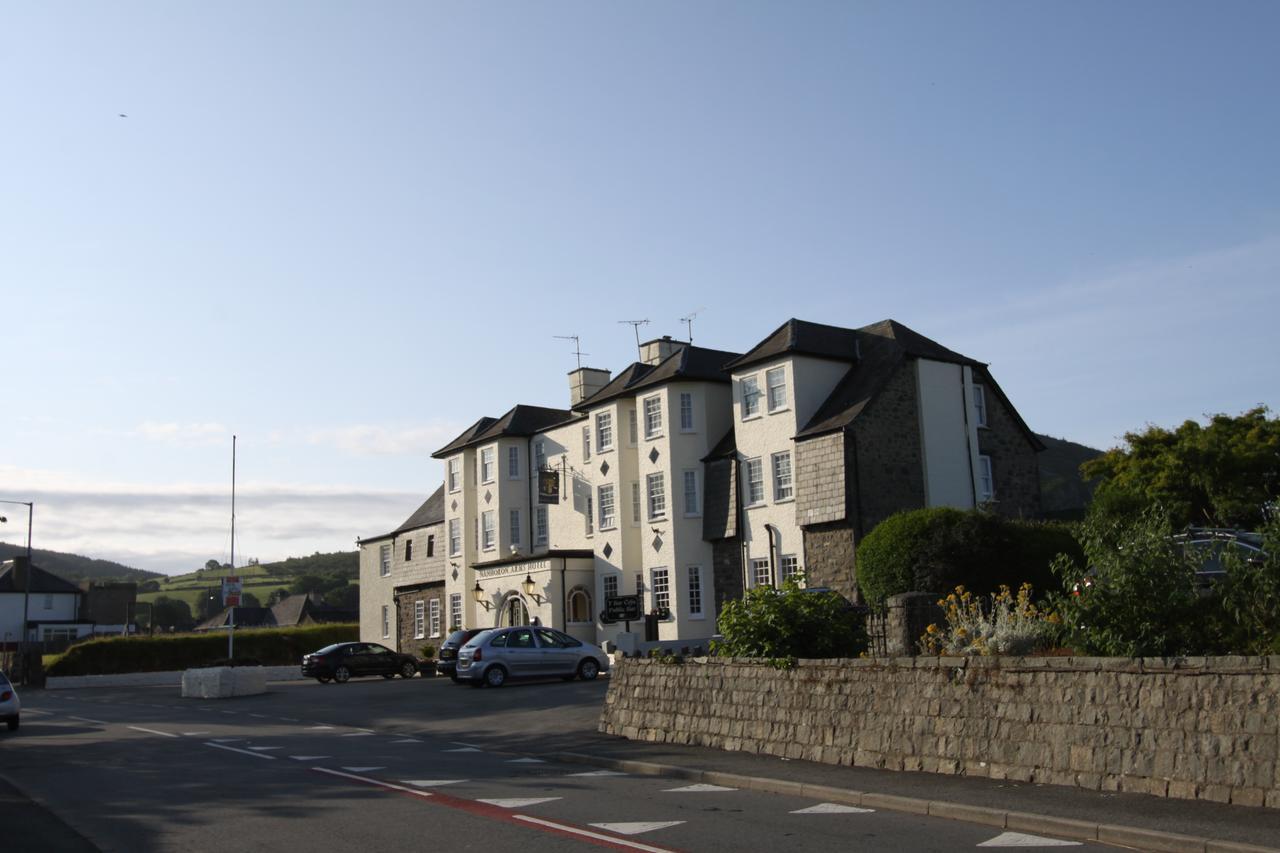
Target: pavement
565,733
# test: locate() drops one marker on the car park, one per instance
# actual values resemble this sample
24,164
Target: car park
448,660
342,661
10,706
528,651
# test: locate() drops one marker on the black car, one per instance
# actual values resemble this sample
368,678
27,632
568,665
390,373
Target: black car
448,662
342,661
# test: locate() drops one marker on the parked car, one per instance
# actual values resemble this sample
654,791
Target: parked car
527,651
342,661
10,707
448,660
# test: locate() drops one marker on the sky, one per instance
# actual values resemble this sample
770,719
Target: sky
344,231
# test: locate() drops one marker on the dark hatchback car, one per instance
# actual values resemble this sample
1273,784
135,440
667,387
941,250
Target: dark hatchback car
448,660
342,661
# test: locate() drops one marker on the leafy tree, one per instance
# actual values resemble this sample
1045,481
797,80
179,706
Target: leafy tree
277,596
172,613
1221,474
790,623
212,566
309,583
209,603
1250,596
248,599
346,597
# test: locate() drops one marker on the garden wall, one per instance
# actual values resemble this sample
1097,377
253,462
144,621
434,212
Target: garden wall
1191,728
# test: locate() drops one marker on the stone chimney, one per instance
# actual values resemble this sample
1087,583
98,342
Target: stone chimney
654,351
21,566
584,382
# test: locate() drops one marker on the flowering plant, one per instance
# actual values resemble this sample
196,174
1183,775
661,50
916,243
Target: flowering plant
1008,625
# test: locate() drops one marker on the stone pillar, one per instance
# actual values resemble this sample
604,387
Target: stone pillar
907,615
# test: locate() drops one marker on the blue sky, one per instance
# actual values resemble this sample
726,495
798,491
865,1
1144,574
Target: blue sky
344,231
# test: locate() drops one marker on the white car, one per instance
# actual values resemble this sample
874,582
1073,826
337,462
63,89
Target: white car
527,651
9,704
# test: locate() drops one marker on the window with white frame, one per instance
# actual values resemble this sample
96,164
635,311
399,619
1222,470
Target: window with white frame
386,621
761,573
455,611
980,405
695,592
610,584
486,465
635,502
631,426
750,387
540,519
579,605
776,381
590,515
455,469
652,416
608,508
419,619
539,456
384,559
487,540
604,432
514,536
986,483
753,471
455,537
434,610
586,442
686,412
692,500
783,490
513,463
657,490
790,566
661,586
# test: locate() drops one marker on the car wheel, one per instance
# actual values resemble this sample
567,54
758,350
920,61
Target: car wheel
13,724
324,679
495,676
409,670
341,675
588,669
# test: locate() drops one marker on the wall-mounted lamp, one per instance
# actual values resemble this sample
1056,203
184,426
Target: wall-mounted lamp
480,597
530,587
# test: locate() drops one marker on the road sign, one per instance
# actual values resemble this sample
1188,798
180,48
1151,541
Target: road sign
231,589
622,608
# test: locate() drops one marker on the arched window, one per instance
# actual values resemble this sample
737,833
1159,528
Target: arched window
513,612
579,605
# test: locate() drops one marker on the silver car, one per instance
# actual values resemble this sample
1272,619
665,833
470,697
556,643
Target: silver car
528,651
10,707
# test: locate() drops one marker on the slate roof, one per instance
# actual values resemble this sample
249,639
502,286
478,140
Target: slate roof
520,420
801,337
246,617
688,363
41,581
289,610
431,512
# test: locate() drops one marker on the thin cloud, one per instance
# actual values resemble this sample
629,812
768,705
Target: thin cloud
377,440
186,435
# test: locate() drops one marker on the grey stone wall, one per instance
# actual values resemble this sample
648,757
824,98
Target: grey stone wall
1194,728
404,632
726,563
887,455
1014,466
828,558
821,493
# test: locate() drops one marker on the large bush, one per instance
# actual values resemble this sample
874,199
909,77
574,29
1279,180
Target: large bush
931,550
791,623
271,646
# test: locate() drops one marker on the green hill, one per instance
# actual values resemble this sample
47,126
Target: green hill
75,568
259,580
1063,492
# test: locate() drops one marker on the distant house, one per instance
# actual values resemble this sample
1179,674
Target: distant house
109,605
308,609
53,605
246,617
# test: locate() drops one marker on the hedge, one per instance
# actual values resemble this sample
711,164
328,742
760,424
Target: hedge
938,549
163,653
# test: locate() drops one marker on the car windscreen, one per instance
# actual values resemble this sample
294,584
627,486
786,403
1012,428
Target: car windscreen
456,638
479,639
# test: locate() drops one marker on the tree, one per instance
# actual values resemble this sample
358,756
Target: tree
209,603
172,613
277,596
1219,475
309,583
345,597
248,599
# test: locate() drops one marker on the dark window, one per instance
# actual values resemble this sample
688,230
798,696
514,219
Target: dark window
566,640
408,549
431,545
520,640
499,641
548,639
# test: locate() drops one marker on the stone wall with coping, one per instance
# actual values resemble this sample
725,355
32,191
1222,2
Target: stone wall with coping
1189,728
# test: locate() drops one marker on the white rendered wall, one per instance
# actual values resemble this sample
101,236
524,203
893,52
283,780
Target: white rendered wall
944,427
375,591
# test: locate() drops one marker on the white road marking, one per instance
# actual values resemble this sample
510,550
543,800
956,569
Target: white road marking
407,740
265,748
526,761
319,727
241,751
432,783
307,757
88,720
368,781
151,731
357,734
697,789
462,749
259,716
33,711
1020,839
832,808
363,769
518,802
573,830
600,773
195,734
637,827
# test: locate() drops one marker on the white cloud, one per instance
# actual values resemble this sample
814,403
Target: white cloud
377,440
183,434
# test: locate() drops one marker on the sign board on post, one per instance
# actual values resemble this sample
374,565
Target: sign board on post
622,608
231,589
548,486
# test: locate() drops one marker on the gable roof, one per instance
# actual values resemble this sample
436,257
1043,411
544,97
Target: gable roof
686,364
290,609
41,581
246,617
520,420
801,337
431,512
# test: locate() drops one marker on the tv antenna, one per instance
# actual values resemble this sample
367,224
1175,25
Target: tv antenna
577,346
636,324
688,321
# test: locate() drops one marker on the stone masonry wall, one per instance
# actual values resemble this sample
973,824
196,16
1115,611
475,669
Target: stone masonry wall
887,450
820,479
407,640
1014,466
828,558
1194,728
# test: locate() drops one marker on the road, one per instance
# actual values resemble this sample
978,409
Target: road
379,765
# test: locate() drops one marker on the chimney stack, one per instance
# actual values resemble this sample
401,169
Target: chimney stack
654,351
584,382
21,567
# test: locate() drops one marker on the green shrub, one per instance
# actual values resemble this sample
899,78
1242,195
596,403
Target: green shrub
1250,597
272,646
790,623
930,550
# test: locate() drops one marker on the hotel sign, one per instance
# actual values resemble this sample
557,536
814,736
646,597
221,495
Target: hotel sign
548,486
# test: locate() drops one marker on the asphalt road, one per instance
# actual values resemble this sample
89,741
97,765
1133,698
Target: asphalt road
376,765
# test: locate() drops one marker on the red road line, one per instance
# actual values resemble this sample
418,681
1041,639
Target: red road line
565,830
